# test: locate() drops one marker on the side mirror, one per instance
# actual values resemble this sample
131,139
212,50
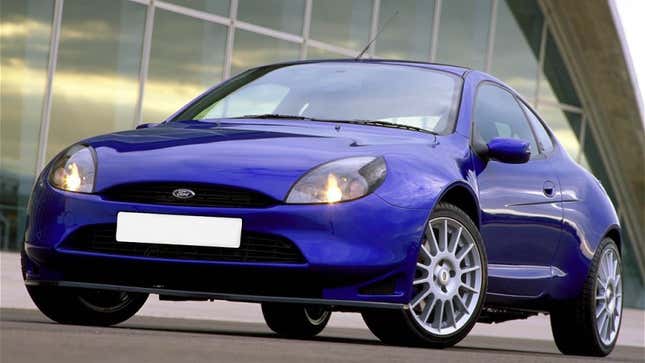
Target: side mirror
512,151
147,126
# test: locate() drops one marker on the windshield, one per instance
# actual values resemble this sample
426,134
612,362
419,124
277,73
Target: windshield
340,91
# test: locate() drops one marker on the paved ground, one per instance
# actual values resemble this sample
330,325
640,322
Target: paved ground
26,336
225,331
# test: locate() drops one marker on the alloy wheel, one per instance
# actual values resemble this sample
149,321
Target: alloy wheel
448,278
608,297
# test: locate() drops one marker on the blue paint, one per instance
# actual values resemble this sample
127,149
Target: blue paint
541,220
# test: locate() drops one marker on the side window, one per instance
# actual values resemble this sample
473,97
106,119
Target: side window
497,114
540,132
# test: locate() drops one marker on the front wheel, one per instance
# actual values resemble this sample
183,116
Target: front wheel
590,324
86,306
448,288
294,320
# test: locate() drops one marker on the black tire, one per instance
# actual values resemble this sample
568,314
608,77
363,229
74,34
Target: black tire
399,327
573,323
294,320
85,306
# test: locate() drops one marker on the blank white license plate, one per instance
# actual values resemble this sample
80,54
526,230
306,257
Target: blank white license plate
178,230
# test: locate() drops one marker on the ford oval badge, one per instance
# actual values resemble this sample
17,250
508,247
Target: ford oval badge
183,193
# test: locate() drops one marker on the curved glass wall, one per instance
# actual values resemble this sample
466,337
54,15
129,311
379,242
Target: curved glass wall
95,87
406,17
114,70
25,29
173,78
463,32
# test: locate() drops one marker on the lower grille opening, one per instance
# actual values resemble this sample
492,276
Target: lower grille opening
254,247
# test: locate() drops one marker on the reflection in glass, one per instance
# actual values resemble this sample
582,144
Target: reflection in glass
253,50
219,7
517,43
344,23
566,127
634,289
592,161
25,28
186,57
463,32
338,91
284,15
96,84
409,34
317,53
556,85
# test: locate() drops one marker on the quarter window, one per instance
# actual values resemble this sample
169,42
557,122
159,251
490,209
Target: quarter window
497,114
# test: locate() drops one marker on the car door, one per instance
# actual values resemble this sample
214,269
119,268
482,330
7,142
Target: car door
520,203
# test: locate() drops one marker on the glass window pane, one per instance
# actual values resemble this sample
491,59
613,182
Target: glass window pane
338,91
517,43
497,114
341,22
317,53
556,85
542,135
284,15
186,57
592,161
219,7
634,287
565,126
25,28
463,32
253,50
96,84
409,34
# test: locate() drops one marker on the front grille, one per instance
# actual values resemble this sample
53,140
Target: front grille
254,247
206,195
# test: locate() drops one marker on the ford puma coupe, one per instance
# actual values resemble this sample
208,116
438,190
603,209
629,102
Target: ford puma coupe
426,197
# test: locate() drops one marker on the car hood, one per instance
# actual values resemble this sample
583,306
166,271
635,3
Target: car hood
264,155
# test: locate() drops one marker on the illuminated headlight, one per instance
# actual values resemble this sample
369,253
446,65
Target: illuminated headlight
339,181
74,170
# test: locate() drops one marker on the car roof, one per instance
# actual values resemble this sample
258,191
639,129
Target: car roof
457,70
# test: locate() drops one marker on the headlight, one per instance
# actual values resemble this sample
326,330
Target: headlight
74,170
339,181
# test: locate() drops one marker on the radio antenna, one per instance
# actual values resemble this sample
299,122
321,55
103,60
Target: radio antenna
376,35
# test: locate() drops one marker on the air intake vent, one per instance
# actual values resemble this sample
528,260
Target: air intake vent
254,247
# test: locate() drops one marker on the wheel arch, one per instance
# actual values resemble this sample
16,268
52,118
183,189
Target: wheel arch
463,197
613,232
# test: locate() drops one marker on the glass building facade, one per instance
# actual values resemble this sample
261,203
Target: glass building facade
71,69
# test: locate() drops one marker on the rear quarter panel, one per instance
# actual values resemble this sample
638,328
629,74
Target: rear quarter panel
588,215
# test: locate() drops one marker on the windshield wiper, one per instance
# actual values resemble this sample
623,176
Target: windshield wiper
357,122
384,124
273,115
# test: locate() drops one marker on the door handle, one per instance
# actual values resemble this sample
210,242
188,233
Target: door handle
549,188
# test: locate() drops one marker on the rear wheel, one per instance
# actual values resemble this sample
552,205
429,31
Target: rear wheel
590,324
86,306
294,320
448,288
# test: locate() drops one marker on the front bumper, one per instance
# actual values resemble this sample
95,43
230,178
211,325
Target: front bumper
362,251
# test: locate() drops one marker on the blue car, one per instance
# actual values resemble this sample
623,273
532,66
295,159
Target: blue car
426,197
